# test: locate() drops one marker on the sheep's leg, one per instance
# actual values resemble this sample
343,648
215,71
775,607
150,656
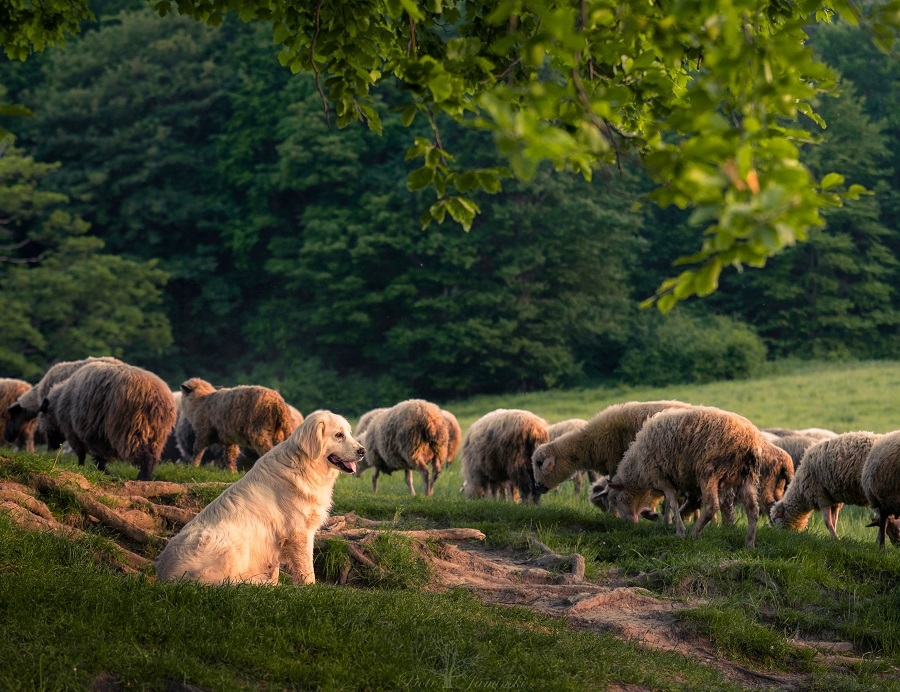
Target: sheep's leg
435,472
829,514
671,497
727,507
751,504
101,463
297,555
146,464
882,527
199,448
426,482
410,484
836,511
229,457
375,474
709,498
578,481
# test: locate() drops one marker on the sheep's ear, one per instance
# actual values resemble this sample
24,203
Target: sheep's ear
615,485
45,405
874,523
186,388
15,408
548,464
650,514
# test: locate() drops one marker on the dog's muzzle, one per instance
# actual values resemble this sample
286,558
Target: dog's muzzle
341,464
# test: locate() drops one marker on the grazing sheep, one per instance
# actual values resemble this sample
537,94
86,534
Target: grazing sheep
881,484
112,412
818,433
23,434
795,445
561,428
250,416
28,405
270,516
698,451
598,446
496,454
830,475
407,437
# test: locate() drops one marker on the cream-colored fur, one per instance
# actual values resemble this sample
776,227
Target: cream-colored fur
271,515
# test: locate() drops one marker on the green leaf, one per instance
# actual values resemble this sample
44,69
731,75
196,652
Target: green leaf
419,178
832,180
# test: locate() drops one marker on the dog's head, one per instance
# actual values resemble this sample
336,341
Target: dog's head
326,435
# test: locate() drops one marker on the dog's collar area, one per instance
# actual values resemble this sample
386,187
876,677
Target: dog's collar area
341,464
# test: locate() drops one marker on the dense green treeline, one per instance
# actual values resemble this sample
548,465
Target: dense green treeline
214,224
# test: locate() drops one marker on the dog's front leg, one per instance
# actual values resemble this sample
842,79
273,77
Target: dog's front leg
297,555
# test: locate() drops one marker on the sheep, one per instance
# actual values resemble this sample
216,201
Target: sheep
598,446
28,405
366,419
454,435
830,475
557,430
699,450
112,411
496,454
22,435
409,436
881,484
817,433
795,445
251,416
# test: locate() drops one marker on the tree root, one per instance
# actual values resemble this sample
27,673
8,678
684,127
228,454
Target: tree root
574,563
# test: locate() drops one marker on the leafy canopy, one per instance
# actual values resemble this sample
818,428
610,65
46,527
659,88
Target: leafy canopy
705,94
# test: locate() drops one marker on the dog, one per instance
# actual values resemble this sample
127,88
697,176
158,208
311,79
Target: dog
271,515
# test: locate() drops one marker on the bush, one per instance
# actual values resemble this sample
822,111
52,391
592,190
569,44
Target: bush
680,347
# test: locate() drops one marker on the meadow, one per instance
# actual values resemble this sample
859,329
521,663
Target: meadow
70,622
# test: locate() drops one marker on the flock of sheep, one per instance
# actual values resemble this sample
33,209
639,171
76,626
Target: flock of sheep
697,460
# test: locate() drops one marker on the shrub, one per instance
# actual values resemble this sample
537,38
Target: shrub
680,347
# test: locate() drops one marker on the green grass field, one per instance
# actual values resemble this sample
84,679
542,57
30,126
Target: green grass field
66,623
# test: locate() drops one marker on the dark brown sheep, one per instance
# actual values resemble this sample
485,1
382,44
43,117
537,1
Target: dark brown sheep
27,407
21,435
496,454
112,412
253,417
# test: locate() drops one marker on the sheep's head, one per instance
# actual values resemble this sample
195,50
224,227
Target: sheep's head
777,470
195,387
629,503
549,468
784,519
14,418
599,494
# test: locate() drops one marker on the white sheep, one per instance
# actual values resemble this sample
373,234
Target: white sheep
830,475
699,450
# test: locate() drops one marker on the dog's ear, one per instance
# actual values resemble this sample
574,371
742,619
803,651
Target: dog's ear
312,436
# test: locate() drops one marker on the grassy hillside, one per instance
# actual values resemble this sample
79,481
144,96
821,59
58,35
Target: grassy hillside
69,623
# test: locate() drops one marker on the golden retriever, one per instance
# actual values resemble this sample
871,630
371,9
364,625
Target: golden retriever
271,515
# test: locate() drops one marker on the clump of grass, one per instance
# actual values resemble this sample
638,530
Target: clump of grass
400,565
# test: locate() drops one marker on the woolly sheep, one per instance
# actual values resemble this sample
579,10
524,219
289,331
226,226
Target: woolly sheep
830,475
699,450
366,419
557,430
496,453
817,433
362,427
454,435
112,412
23,434
881,484
598,446
28,405
795,445
248,416
409,436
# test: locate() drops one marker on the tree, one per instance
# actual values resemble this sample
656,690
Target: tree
61,296
701,92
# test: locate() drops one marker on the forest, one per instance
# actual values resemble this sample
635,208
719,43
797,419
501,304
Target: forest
180,200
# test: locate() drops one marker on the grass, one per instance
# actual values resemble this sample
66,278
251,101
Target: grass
68,622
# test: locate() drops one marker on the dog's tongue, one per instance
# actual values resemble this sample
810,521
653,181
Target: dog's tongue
348,466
